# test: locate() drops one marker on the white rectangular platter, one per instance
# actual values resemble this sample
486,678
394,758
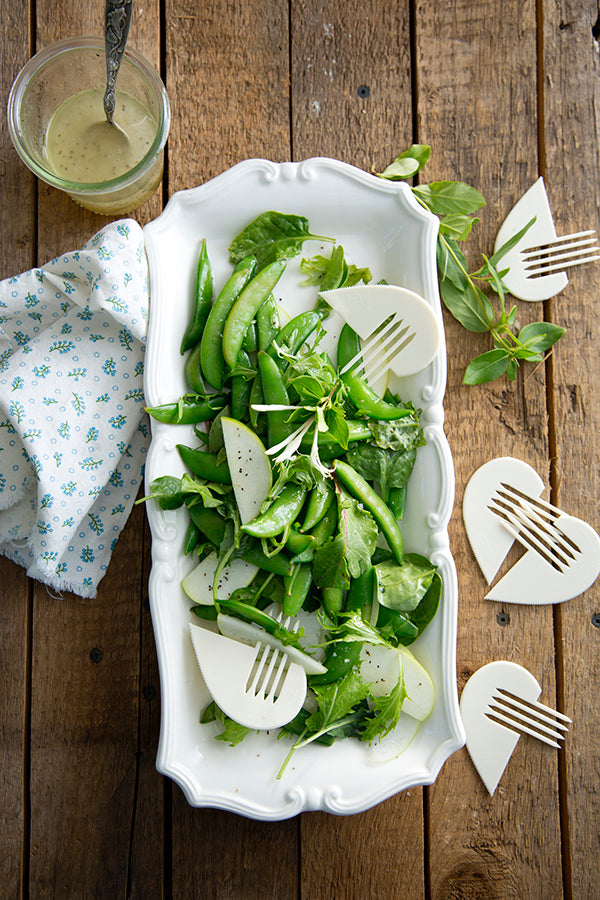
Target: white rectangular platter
380,225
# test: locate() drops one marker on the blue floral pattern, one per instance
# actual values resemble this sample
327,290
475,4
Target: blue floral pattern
72,341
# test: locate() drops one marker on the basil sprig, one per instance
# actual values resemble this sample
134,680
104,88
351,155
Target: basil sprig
468,296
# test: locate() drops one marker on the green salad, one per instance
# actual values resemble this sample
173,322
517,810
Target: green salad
295,488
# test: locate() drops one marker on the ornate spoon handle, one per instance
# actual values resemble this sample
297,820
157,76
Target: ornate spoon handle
117,18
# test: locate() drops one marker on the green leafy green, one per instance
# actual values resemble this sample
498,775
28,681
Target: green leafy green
233,733
333,271
272,235
387,709
402,587
407,163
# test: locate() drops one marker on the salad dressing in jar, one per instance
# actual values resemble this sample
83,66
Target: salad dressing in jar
82,147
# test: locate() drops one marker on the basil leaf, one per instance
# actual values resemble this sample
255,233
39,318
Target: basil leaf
470,306
540,336
271,236
487,367
443,197
457,226
511,242
451,262
408,163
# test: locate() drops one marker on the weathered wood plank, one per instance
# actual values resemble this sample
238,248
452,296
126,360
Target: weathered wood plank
85,723
571,103
227,76
16,255
476,104
351,100
351,81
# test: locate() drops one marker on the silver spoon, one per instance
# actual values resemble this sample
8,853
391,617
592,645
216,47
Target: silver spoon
117,19
108,133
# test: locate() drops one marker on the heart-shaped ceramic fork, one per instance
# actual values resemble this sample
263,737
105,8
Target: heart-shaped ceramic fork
499,703
502,504
536,263
257,686
400,328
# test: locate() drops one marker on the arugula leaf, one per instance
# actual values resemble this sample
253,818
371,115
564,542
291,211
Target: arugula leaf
390,468
272,235
335,701
402,587
388,709
333,272
354,628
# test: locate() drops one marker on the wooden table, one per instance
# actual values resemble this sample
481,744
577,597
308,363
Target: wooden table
503,93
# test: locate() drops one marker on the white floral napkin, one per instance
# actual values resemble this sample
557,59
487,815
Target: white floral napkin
73,434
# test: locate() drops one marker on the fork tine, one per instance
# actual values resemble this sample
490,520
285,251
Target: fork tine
257,669
561,239
518,726
372,341
568,251
386,361
535,518
550,250
530,536
544,710
532,273
543,508
533,721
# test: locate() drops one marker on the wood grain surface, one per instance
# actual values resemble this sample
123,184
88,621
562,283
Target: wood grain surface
502,93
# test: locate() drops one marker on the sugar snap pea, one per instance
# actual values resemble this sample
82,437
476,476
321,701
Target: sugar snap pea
282,512
204,464
295,332
202,302
245,308
319,501
360,488
340,657
368,402
211,352
241,386
193,370
267,323
188,410
332,600
297,586
274,392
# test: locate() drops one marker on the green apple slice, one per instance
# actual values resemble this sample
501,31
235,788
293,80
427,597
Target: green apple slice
198,584
249,465
380,667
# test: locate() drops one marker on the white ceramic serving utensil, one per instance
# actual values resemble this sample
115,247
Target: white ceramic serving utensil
400,328
538,261
499,703
502,504
256,686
